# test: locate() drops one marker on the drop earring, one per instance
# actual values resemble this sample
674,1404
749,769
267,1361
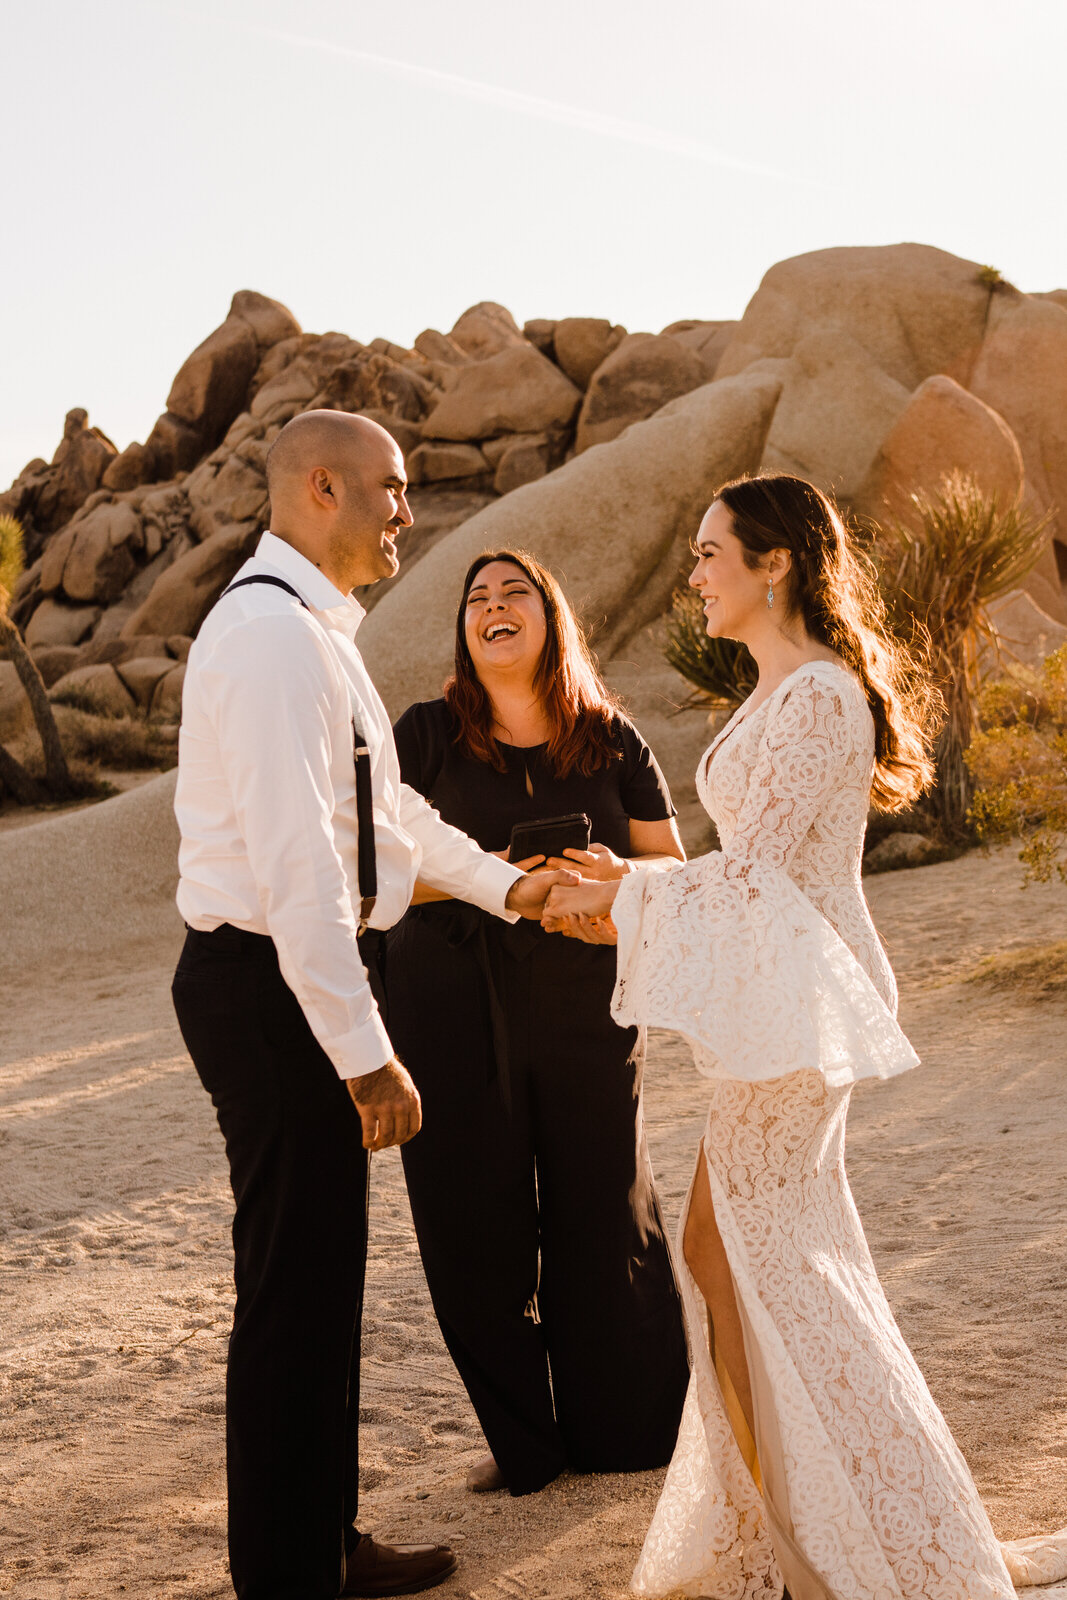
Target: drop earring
770,594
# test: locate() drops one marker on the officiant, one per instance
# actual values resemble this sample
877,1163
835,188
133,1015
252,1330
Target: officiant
530,1183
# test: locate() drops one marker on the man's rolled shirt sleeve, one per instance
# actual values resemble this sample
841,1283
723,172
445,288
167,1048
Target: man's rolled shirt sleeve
452,862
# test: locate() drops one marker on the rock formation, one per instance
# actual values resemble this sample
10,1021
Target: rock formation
872,371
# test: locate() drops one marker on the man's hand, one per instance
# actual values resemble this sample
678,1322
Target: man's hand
586,898
388,1104
527,895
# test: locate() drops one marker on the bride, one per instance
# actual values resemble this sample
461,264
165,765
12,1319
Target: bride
810,1453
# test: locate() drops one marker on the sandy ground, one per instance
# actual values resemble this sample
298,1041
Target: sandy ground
114,1213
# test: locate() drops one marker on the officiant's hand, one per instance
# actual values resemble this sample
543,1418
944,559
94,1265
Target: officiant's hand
527,895
388,1104
590,930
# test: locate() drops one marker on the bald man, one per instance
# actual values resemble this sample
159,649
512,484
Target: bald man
278,991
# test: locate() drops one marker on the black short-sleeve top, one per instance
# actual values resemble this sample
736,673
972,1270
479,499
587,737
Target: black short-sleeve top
486,804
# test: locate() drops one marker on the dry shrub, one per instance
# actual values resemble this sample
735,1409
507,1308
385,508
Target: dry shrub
721,671
1018,763
1035,972
939,573
122,743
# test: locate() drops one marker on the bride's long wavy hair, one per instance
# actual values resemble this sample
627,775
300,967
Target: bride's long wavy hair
833,588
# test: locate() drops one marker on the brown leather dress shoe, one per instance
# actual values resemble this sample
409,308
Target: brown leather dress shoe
372,1568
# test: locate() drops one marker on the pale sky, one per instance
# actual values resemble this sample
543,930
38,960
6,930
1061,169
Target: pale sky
380,167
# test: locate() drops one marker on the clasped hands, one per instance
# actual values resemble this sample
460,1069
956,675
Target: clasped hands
571,894
580,893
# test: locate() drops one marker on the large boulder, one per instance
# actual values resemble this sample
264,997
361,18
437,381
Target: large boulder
524,459
211,386
486,329
173,446
913,309
133,466
837,406
97,688
167,697
142,673
54,660
373,378
580,344
516,391
269,320
45,496
437,460
1025,632
642,374
55,623
184,593
942,429
101,559
707,339
1022,373
614,524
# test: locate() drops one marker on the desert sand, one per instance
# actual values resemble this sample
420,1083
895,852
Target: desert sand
114,1212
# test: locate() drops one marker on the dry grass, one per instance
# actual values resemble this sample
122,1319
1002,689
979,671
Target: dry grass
1033,972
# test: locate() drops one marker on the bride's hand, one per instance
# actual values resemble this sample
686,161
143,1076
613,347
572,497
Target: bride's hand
587,898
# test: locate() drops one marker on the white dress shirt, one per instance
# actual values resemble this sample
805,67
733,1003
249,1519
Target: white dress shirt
266,799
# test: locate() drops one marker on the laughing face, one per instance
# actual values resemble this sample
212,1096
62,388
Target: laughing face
504,621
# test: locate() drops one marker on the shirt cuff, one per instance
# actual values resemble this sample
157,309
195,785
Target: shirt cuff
362,1051
490,884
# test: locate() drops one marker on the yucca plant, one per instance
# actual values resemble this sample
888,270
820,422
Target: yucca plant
960,550
13,775
1018,761
721,670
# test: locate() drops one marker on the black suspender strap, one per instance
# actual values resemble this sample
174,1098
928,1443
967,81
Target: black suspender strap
366,854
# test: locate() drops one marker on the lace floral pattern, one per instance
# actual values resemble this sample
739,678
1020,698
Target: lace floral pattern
766,957
764,954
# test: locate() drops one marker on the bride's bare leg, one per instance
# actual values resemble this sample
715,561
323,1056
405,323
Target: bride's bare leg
706,1258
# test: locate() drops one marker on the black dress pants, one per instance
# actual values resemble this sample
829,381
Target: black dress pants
533,1201
298,1171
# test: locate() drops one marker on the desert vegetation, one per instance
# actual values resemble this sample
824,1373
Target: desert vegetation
1017,762
939,571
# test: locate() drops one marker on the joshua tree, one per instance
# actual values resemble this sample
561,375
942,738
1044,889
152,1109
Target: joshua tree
13,775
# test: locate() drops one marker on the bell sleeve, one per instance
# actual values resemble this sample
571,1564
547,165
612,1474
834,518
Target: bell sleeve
728,951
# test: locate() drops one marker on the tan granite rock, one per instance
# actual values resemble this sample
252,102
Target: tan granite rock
517,391
640,375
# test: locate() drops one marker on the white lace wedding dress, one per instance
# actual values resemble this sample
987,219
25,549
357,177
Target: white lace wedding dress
764,955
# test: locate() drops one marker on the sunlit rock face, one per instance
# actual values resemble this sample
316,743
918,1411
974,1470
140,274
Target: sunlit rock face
872,371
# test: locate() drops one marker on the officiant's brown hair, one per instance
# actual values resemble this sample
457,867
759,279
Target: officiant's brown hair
579,707
833,587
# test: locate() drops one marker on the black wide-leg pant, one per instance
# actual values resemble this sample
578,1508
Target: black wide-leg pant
298,1171
533,1201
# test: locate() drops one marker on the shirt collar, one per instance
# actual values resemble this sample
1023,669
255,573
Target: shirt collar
343,611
